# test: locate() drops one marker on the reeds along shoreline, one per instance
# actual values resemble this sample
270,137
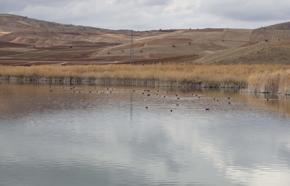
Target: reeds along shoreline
259,78
271,82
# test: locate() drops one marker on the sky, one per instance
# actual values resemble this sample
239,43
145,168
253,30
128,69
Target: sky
154,14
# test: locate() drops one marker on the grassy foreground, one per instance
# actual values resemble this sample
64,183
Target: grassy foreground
262,78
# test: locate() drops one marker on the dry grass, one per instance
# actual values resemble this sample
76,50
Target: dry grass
249,74
272,82
177,72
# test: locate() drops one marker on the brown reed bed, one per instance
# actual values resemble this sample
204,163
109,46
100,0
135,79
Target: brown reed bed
271,82
262,78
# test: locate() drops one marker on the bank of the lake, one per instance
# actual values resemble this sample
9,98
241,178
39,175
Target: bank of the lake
273,79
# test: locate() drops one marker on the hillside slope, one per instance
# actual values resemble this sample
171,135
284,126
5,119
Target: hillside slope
183,43
23,30
260,53
268,45
278,32
26,41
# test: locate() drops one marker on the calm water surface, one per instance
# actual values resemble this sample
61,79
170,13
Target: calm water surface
88,136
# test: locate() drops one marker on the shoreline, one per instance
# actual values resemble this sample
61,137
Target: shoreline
271,79
146,83
129,82
153,83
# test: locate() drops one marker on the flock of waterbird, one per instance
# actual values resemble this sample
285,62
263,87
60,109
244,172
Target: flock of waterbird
146,93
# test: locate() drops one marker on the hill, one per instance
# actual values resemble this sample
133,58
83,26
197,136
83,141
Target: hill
260,53
26,41
278,32
23,30
268,45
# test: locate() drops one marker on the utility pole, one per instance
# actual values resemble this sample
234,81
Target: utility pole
132,47
131,62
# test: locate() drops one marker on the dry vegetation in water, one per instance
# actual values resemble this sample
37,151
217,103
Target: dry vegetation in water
261,78
273,82
179,72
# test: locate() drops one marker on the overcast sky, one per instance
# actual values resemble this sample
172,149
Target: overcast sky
154,14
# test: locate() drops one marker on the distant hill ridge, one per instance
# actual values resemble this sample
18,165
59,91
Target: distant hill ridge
23,38
14,23
281,26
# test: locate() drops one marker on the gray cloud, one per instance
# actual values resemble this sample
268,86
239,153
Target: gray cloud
153,14
145,2
248,10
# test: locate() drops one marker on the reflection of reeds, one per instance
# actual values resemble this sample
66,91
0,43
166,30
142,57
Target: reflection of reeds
277,104
265,78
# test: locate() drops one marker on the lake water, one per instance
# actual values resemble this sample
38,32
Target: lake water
88,136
